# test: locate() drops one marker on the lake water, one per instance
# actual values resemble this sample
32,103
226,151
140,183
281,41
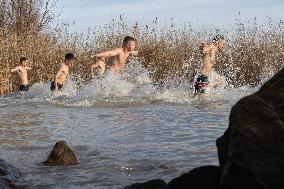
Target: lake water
122,128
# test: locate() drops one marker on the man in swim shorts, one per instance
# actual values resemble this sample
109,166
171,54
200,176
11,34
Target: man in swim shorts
62,72
22,71
209,52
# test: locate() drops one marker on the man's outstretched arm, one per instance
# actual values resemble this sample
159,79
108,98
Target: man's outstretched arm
105,54
15,69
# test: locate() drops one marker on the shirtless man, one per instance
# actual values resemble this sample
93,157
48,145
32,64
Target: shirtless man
116,57
62,73
209,52
22,70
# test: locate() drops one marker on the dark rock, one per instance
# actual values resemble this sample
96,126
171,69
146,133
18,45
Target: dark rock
251,152
7,184
9,175
206,177
152,184
61,155
7,170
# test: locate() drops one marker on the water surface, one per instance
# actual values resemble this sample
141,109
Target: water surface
122,129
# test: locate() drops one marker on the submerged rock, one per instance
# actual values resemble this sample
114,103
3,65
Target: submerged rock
9,175
61,155
152,184
206,177
163,167
251,152
7,184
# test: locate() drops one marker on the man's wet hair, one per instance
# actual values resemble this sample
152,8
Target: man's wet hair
217,38
70,56
128,39
23,59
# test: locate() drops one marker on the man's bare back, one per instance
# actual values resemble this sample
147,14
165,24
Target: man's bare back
209,52
209,56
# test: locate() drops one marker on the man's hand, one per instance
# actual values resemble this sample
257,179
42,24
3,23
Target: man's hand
150,52
202,46
96,58
135,53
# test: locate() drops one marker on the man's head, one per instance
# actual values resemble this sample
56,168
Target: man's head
23,61
70,57
219,41
129,43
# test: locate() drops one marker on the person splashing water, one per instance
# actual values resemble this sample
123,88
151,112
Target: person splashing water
116,57
209,52
22,70
62,72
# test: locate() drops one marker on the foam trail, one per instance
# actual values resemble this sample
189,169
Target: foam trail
133,81
132,86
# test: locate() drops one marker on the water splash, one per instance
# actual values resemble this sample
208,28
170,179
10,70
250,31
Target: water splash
132,86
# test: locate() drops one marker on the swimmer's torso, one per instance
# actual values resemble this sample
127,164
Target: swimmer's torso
63,74
23,74
116,63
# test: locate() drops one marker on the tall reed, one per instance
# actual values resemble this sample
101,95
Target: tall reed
252,52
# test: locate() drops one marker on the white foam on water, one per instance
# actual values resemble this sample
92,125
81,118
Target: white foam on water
40,90
131,84
218,90
134,85
111,85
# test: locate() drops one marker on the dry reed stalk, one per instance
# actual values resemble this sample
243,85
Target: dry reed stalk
252,50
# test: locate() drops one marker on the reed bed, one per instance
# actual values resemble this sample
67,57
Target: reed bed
252,51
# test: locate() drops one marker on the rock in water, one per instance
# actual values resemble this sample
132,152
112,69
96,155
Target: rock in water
7,184
251,152
61,155
8,175
207,177
152,184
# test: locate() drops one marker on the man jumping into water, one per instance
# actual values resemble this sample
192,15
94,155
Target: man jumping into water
22,70
116,57
62,73
209,52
